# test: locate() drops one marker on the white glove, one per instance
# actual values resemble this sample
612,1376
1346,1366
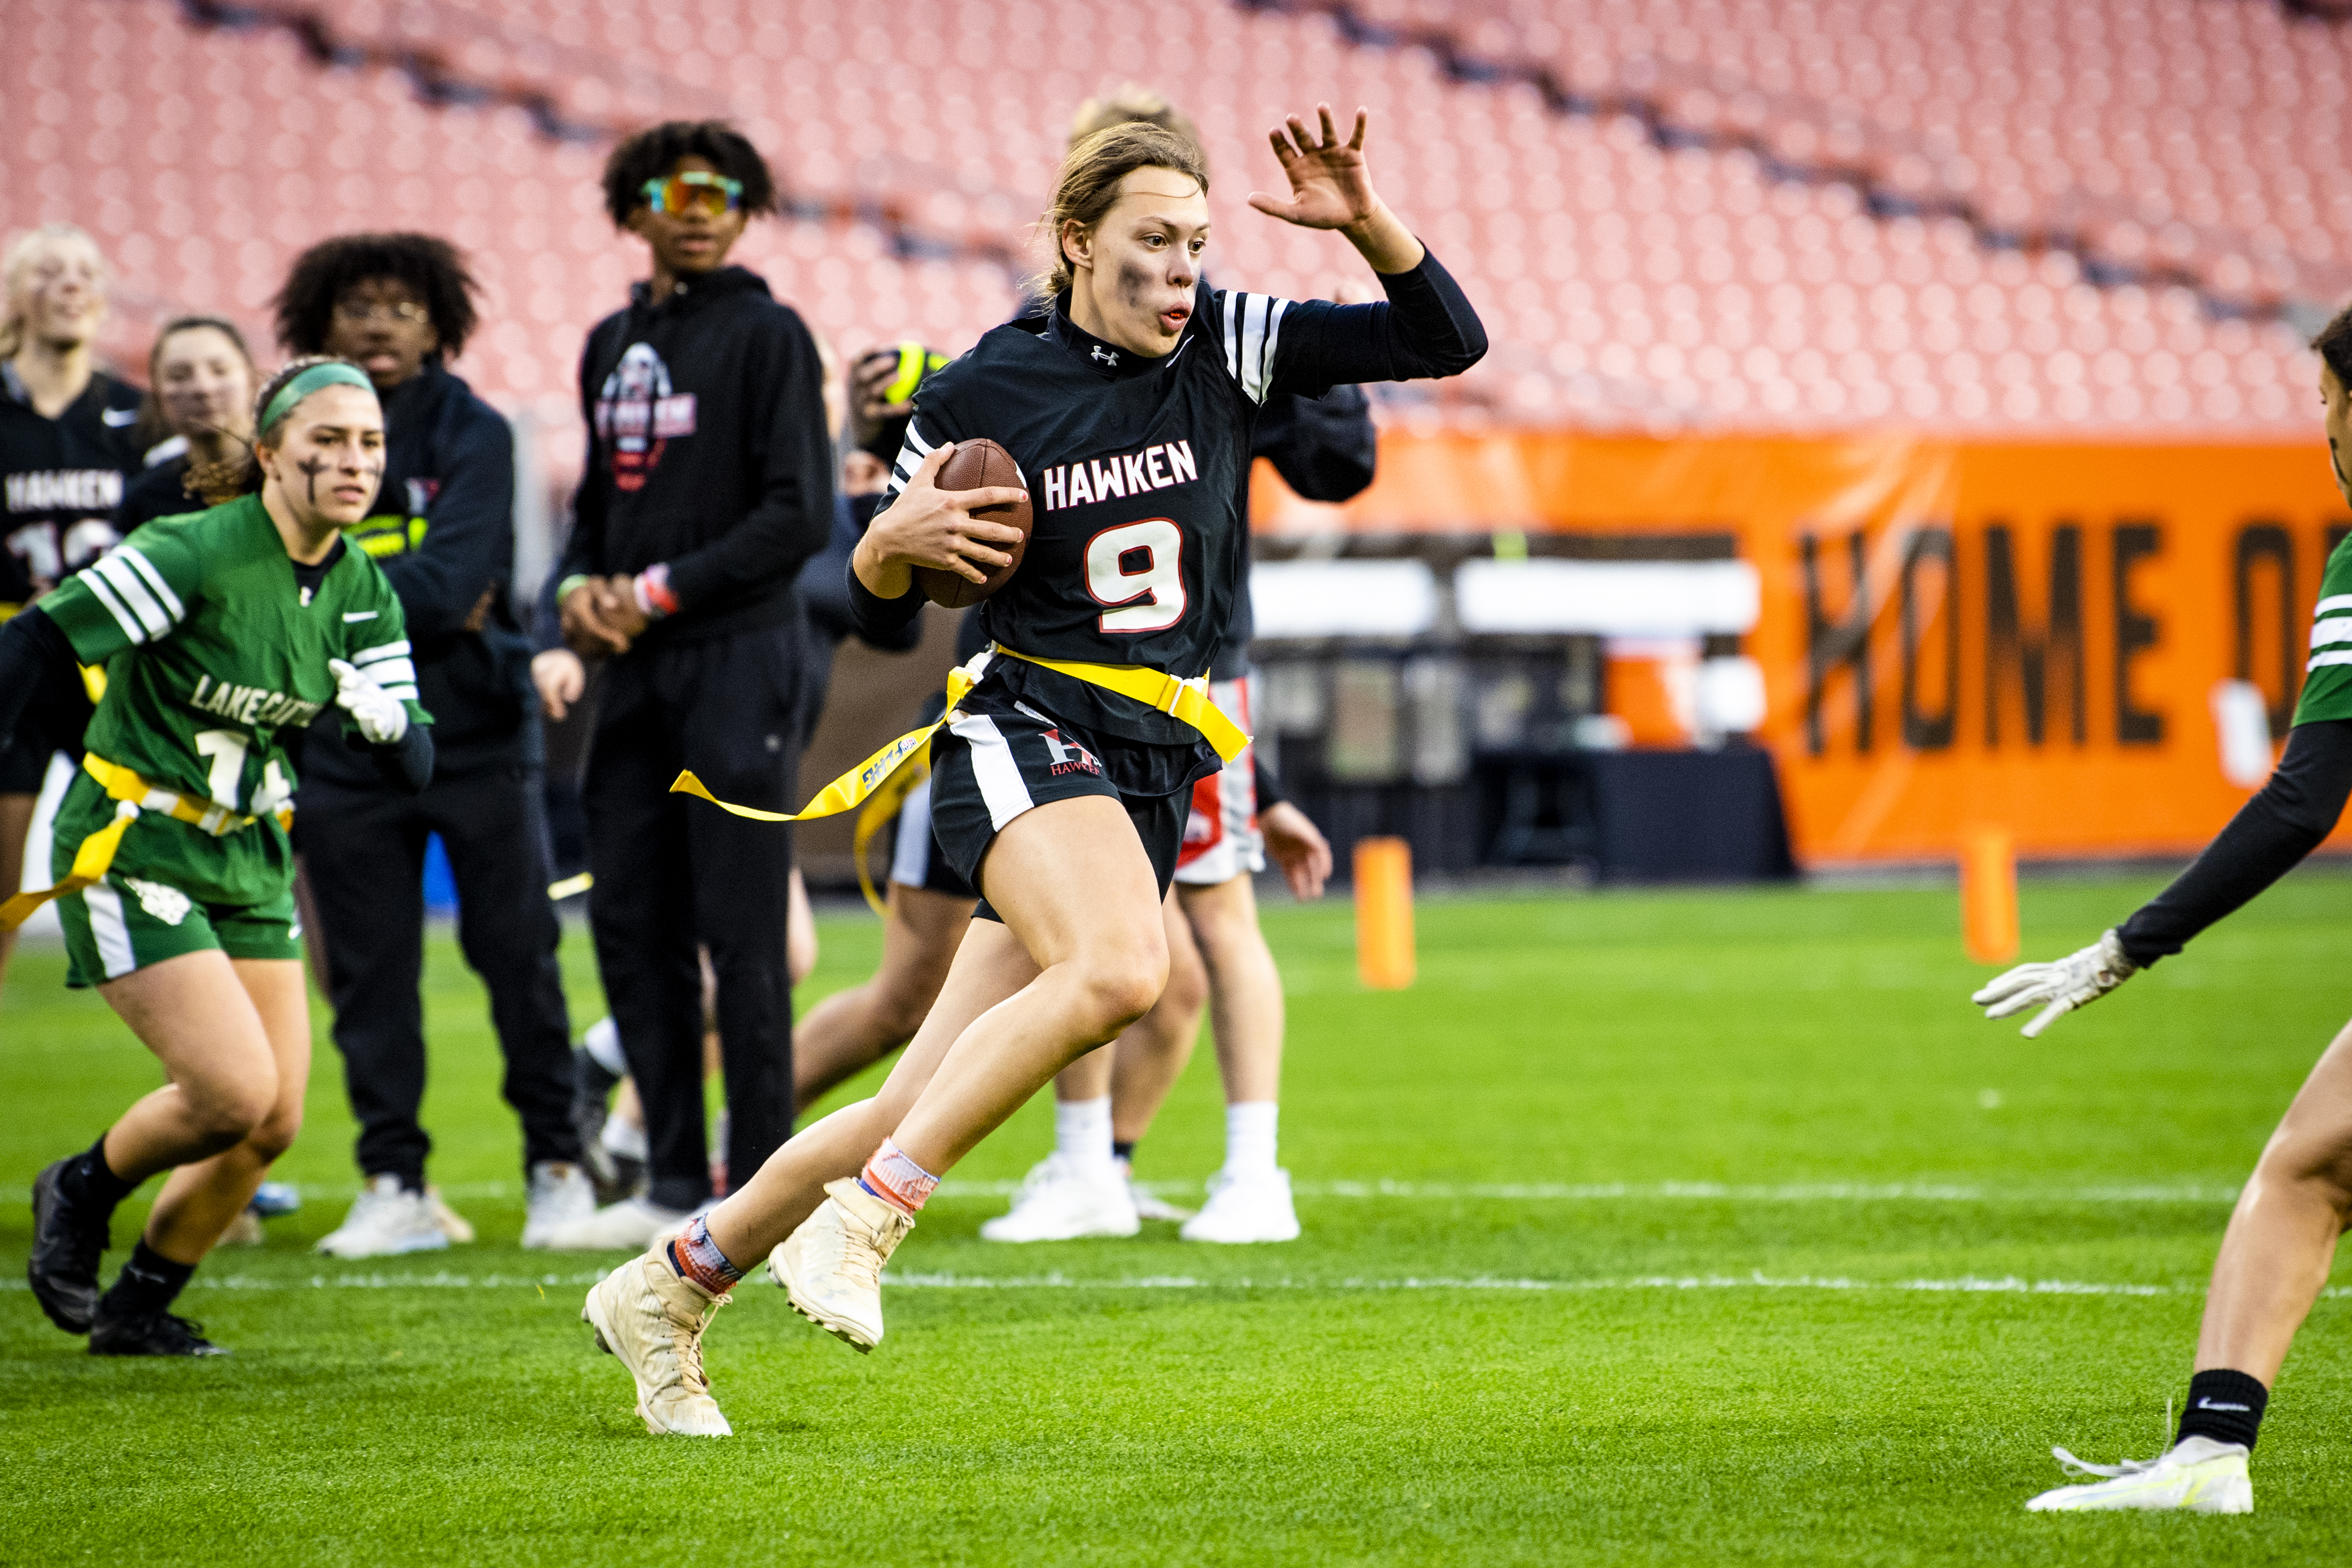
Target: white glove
381,716
2076,980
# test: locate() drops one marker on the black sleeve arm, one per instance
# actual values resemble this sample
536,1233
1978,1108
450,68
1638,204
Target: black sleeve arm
407,763
909,636
1269,788
882,621
33,651
1425,327
1324,448
469,536
793,514
2268,837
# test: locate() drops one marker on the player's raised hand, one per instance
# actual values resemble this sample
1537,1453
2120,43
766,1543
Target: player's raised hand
2076,980
1331,184
927,526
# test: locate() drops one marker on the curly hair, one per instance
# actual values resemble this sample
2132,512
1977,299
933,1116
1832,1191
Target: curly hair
322,274
2333,345
653,152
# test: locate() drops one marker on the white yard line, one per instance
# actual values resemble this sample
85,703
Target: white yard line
1969,1284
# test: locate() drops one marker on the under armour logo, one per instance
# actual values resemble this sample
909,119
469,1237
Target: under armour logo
1105,355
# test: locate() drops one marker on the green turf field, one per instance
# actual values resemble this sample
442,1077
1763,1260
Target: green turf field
1676,1228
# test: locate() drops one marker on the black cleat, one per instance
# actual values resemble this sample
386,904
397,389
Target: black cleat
156,1333
63,1267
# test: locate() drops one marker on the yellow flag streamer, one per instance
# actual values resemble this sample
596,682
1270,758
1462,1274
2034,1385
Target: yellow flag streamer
1180,699
95,855
880,807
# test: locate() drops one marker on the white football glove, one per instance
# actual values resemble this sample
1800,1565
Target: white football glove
2076,980
379,715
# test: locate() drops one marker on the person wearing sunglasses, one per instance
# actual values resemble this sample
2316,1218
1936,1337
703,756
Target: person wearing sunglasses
442,529
708,483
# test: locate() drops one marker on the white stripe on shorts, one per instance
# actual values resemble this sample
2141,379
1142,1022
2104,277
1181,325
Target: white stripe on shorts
910,858
992,764
108,929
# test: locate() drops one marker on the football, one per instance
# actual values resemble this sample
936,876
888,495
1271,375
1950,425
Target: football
977,463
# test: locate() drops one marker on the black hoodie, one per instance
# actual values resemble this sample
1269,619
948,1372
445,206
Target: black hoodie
707,450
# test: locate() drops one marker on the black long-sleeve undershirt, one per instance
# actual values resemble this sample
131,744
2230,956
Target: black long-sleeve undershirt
34,648
2269,837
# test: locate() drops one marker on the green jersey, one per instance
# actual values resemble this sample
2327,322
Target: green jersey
213,656
2327,679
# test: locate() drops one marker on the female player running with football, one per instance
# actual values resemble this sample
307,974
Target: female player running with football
2281,1241
223,633
1128,409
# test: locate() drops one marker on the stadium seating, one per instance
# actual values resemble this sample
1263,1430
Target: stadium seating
1627,284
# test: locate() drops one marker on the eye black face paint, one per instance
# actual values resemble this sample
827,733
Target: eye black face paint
312,467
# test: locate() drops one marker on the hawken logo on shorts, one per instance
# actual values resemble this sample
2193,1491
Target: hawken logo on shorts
1068,758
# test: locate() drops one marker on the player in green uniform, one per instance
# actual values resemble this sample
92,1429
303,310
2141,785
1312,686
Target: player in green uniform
2282,1237
223,633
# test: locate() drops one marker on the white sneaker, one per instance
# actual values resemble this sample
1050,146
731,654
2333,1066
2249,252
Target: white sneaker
831,1267
561,1193
2197,1474
1062,1200
653,1321
633,1224
1252,1205
385,1222
453,1225
1149,1204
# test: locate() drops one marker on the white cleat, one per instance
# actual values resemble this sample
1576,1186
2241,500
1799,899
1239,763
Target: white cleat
1246,1206
633,1224
1150,1205
652,1319
831,1267
1062,1199
453,1225
2196,1474
561,1194
385,1222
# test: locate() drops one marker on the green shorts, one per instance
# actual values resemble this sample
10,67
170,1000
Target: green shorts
127,922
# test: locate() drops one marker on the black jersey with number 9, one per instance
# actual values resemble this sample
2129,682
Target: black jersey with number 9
1137,468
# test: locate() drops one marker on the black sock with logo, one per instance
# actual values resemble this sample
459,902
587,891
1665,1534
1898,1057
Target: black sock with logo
89,1184
2224,1405
147,1284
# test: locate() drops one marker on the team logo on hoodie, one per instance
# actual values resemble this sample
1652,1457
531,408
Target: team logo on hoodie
637,416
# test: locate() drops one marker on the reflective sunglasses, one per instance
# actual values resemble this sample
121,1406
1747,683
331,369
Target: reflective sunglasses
716,194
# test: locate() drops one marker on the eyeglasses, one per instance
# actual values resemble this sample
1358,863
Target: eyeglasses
716,194
361,312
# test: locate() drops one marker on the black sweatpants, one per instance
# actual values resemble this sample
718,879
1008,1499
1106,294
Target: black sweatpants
672,872
363,854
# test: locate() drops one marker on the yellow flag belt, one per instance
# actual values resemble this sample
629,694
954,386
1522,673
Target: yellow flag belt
1187,701
96,852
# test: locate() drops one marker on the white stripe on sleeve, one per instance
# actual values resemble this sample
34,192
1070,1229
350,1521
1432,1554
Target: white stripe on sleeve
387,672
1232,336
1273,338
367,657
125,582
124,618
2341,656
146,569
922,448
1253,314
2334,628
2339,601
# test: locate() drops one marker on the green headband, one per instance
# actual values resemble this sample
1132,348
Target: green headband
333,373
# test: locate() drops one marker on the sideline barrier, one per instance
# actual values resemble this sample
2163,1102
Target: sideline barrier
1950,633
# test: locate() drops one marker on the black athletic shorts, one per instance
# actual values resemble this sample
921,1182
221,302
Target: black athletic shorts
999,758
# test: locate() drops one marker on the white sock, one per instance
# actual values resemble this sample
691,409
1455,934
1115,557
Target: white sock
1249,1136
624,1138
1082,1131
603,1044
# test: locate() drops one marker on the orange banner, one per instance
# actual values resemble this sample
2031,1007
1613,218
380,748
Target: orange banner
1955,636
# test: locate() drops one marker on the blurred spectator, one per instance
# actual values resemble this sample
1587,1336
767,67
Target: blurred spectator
708,483
442,531
66,451
201,380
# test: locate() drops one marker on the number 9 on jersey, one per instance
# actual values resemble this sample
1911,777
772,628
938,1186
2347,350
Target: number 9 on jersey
1138,568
